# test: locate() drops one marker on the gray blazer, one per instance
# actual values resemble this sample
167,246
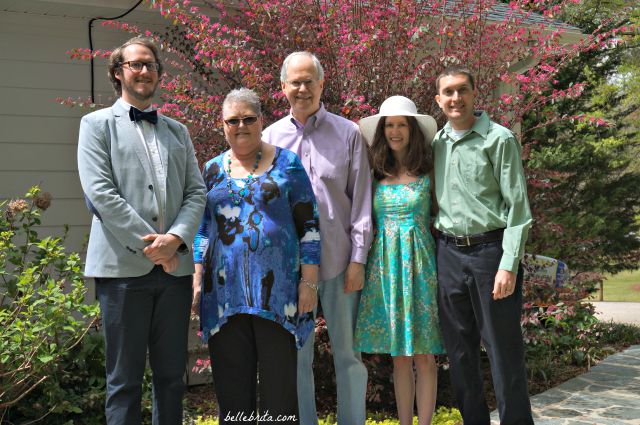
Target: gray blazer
117,180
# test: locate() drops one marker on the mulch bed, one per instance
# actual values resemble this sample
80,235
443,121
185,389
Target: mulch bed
201,400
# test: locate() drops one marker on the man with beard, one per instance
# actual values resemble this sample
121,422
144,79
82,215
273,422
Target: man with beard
142,184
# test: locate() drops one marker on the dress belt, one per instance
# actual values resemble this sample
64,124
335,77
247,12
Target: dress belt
470,240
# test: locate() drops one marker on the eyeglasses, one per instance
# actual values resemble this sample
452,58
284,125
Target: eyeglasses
307,83
234,122
136,66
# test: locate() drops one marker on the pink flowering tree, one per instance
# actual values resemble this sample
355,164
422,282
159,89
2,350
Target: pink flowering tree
370,50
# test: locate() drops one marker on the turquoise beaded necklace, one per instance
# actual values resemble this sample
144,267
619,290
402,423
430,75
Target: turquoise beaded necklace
236,198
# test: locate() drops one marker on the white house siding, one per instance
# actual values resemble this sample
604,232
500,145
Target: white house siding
38,136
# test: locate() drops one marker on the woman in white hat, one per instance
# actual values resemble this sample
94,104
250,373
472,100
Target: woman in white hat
398,309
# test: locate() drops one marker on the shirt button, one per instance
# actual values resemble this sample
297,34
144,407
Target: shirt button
306,154
150,187
455,221
155,219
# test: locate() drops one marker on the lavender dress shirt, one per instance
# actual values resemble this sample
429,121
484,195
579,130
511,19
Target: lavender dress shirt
335,158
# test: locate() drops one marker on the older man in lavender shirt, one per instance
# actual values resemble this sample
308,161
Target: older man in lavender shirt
334,156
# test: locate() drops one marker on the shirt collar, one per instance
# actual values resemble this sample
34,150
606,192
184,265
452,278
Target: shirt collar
315,120
480,126
129,106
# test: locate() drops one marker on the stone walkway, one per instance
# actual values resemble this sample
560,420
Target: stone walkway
609,394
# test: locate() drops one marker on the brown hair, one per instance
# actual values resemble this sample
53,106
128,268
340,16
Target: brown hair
117,57
455,70
418,159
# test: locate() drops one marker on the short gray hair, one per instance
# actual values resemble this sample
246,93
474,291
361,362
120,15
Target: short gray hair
314,59
246,96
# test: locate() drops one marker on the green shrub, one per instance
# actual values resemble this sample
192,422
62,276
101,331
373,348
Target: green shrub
79,381
560,329
43,315
617,334
77,385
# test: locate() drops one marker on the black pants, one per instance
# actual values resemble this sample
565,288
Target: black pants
468,314
247,350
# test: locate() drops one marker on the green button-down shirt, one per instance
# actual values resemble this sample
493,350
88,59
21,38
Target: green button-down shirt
480,186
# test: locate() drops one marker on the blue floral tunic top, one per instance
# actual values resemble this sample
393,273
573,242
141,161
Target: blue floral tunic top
251,252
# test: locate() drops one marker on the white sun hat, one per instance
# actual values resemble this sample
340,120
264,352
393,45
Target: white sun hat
398,106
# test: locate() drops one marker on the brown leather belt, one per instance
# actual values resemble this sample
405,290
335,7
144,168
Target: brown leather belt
470,240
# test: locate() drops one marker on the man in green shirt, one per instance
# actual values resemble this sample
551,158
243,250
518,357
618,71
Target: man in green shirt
483,221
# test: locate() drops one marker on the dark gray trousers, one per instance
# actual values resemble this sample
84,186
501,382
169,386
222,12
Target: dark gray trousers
469,315
139,313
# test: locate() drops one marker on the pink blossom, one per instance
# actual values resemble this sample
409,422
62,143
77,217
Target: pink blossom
369,51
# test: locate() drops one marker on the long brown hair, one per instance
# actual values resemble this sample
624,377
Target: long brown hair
418,160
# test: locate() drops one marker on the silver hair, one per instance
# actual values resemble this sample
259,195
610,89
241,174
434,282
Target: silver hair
246,96
316,63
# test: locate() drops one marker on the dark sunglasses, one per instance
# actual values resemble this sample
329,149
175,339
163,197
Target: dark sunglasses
234,122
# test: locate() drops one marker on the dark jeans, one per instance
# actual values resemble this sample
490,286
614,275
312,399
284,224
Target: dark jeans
139,313
468,314
247,350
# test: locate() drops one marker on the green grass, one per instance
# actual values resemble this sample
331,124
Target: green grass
620,287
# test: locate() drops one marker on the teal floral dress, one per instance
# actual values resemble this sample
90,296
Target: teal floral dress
398,312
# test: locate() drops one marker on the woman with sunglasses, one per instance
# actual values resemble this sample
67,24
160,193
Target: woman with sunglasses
257,253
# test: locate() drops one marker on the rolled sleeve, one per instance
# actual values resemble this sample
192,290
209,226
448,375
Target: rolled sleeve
201,240
305,212
513,186
359,189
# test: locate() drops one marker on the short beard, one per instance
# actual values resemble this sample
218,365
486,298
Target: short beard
135,94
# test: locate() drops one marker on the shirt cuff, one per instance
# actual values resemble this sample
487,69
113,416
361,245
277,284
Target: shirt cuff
509,263
359,255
